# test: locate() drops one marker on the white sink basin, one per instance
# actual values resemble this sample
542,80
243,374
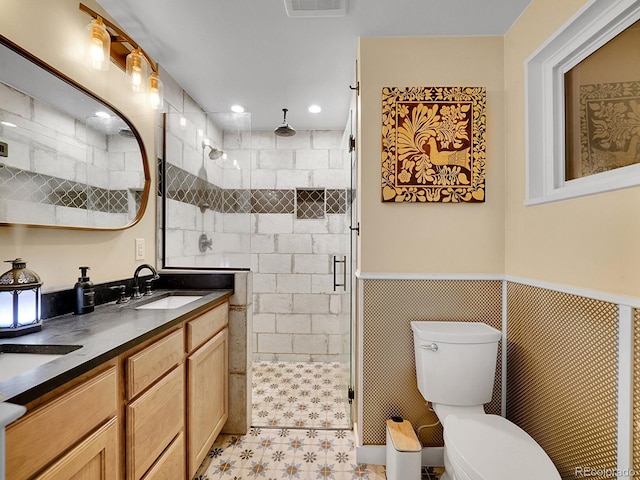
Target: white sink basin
170,302
11,364
18,358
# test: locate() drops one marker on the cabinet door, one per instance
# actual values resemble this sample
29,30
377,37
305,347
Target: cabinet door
94,459
153,421
207,397
42,436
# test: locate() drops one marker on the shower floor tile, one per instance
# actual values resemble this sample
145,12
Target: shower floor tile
300,395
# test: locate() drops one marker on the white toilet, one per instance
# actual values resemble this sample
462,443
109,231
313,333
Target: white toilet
456,366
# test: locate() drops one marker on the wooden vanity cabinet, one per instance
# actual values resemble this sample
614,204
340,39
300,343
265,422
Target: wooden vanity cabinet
207,382
73,435
150,414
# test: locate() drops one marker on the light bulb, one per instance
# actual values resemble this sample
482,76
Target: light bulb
96,53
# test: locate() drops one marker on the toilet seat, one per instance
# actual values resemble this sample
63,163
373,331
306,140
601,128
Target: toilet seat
489,447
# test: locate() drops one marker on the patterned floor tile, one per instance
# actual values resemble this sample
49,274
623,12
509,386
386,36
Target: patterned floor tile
300,395
281,453
290,439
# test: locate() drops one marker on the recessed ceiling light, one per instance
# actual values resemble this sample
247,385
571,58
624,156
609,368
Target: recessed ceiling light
315,109
102,114
8,124
237,109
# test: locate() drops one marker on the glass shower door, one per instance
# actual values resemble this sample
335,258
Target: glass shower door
353,230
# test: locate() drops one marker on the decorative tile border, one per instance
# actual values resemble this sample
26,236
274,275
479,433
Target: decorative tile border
309,203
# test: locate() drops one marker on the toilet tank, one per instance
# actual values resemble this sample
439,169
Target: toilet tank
455,361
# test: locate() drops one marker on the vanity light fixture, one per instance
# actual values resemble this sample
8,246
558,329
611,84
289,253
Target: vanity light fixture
19,300
127,54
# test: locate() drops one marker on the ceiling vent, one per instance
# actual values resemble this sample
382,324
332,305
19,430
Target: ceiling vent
316,8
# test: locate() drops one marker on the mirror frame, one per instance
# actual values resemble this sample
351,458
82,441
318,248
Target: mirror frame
4,41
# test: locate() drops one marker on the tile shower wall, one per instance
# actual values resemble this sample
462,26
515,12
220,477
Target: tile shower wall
299,192
204,196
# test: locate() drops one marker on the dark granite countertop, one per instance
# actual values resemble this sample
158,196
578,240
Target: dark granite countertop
103,334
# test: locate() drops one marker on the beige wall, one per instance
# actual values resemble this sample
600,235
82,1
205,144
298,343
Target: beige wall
589,242
54,30
431,238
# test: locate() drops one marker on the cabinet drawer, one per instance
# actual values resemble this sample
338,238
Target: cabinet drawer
171,465
95,458
201,329
153,420
146,366
44,434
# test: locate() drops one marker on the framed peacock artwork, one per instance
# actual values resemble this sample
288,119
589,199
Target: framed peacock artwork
433,144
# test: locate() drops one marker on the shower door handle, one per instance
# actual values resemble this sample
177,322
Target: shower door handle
335,273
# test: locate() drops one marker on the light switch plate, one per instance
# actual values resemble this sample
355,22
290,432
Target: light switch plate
140,249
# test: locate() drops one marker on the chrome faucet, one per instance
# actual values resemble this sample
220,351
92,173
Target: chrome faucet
136,287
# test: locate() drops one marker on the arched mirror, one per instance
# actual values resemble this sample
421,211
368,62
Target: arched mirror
67,159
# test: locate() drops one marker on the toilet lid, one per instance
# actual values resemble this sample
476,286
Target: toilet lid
489,447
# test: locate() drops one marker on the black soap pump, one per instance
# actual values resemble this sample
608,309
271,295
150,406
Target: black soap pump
85,295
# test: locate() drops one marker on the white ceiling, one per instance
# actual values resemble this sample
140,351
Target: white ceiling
250,52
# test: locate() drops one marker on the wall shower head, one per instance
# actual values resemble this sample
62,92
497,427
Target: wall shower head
285,130
214,153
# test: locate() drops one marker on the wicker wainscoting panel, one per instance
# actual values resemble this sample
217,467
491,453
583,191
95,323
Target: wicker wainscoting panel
636,391
388,370
562,375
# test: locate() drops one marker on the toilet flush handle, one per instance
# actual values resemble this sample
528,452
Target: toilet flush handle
433,347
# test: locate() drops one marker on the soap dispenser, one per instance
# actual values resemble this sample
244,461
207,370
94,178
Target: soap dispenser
84,294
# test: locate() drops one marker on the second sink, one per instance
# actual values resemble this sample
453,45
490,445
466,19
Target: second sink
169,302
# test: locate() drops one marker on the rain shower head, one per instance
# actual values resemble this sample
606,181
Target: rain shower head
285,130
214,153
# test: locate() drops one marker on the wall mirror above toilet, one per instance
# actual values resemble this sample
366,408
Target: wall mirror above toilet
67,158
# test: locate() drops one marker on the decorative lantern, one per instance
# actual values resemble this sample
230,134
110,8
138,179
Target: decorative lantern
19,300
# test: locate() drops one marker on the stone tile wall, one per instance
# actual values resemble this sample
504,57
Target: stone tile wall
297,314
